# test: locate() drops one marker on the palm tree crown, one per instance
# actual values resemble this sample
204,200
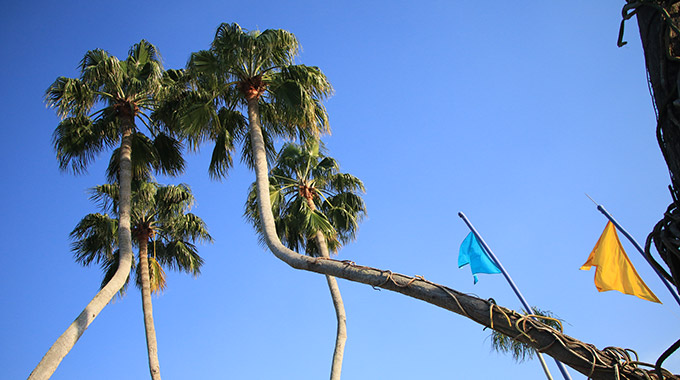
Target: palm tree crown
254,71
160,218
102,105
309,194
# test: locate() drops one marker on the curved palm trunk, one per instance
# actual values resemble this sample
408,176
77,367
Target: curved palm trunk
49,363
151,344
576,354
272,239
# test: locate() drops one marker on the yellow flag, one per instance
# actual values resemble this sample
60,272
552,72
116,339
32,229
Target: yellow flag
614,270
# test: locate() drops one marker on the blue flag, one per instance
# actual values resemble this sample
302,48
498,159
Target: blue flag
471,252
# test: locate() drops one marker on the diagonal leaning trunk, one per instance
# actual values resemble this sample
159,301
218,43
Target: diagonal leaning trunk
151,344
583,357
49,363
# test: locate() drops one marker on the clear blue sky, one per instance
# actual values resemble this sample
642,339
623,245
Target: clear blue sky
508,111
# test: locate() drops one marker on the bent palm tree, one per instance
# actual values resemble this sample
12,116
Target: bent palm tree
254,71
159,218
99,111
233,51
316,209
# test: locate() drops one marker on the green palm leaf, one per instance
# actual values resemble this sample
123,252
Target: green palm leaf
160,209
242,65
309,195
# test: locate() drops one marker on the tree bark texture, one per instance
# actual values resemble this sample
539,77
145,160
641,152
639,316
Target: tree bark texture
583,357
147,307
49,363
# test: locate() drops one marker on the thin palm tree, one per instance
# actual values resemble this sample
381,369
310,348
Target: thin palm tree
316,209
99,111
161,220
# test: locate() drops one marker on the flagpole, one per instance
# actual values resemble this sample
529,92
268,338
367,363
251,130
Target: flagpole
524,302
639,248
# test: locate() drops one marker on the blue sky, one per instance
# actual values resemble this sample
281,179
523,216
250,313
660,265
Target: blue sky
508,112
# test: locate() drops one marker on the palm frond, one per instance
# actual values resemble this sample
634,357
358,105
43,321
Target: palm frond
103,72
227,129
275,48
168,155
70,97
344,182
78,142
106,197
94,239
296,92
179,255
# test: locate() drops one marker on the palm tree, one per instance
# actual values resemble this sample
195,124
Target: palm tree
99,111
159,219
251,71
316,209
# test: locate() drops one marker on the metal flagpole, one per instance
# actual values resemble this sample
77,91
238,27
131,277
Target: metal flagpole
524,302
638,247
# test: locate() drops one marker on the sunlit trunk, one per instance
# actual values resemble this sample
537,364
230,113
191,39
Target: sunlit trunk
341,333
151,344
49,363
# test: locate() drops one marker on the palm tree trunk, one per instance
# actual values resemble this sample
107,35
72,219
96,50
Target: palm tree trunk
151,344
272,239
576,354
341,333
49,363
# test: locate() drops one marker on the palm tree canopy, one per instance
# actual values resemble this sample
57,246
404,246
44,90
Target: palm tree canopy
104,102
160,216
310,194
242,66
